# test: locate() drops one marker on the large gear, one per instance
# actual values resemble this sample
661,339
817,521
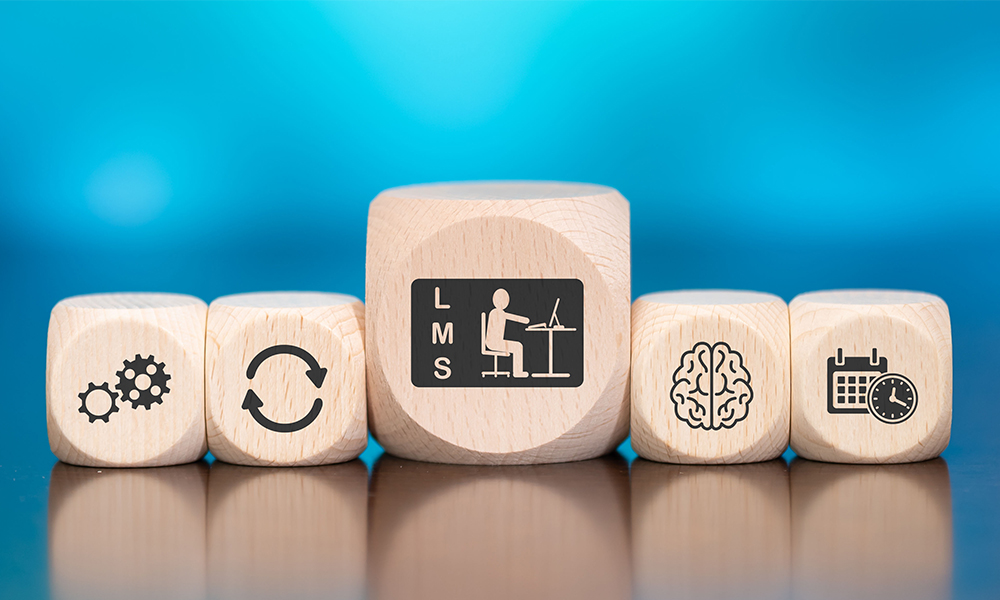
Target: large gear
93,388
143,382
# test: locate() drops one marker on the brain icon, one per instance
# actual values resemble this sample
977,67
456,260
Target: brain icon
711,387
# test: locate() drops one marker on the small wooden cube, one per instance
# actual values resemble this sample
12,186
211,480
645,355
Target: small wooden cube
710,376
125,380
710,531
287,533
498,323
499,533
285,379
872,532
872,376
127,533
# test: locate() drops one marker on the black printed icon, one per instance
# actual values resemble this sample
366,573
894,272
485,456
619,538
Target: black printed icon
252,403
496,333
848,380
863,385
106,396
892,398
711,388
143,382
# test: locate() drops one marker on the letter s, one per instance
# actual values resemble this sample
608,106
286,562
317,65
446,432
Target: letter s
443,372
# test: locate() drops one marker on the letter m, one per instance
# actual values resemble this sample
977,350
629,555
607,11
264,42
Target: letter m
446,336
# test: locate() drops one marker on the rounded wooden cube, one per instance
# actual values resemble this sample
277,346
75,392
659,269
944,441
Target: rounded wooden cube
710,376
872,377
285,379
125,380
498,323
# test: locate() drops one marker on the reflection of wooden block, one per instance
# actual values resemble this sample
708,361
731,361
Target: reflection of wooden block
710,532
285,376
871,532
710,376
552,531
125,380
129,533
287,533
872,377
470,359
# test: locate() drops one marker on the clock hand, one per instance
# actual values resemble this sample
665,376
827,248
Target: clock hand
893,399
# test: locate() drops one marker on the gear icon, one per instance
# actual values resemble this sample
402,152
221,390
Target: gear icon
93,388
143,381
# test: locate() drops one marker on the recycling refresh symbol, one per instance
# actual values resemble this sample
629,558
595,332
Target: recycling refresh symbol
253,403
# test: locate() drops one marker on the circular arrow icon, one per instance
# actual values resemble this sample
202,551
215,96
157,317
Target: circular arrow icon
253,403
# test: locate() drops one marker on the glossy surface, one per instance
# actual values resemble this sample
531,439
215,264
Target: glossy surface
594,529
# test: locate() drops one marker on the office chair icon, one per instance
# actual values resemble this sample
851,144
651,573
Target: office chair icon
496,372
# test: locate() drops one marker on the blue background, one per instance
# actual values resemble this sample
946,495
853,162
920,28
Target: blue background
221,148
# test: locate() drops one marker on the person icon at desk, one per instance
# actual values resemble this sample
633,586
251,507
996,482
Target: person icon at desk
496,325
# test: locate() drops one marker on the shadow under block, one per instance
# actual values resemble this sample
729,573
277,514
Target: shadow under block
486,532
710,531
872,376
880,531
285,379
711,377
287,533
125,380
127,533
498,321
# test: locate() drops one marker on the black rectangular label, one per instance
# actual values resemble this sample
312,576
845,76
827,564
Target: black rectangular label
496,333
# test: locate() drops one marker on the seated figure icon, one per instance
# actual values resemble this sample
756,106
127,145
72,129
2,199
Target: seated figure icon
496,325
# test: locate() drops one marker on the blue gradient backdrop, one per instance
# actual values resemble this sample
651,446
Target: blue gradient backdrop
220,148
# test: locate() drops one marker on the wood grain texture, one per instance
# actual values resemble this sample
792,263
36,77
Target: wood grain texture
499,230
89,340
668,326
127,533
912,331
710,531
485,532
287,533
330,327
882,531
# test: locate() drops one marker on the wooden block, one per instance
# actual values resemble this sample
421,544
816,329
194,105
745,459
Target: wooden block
125,380
871,532
287,533
498,324
127,533
872,379
710,532
710,376
541,531
285,378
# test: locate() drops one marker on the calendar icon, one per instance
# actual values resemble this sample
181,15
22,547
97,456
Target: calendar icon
848,381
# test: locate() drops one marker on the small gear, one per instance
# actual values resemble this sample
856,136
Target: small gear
93,388
143,382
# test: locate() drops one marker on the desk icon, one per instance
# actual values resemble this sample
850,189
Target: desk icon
476,333
552,326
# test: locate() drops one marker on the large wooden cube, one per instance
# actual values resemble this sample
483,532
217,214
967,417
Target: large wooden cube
498,321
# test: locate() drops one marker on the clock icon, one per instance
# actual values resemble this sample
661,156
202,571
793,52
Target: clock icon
892,398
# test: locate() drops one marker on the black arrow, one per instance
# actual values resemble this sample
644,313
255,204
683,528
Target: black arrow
315,373
252,403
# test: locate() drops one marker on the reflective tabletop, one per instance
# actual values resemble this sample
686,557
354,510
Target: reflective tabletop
603,528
